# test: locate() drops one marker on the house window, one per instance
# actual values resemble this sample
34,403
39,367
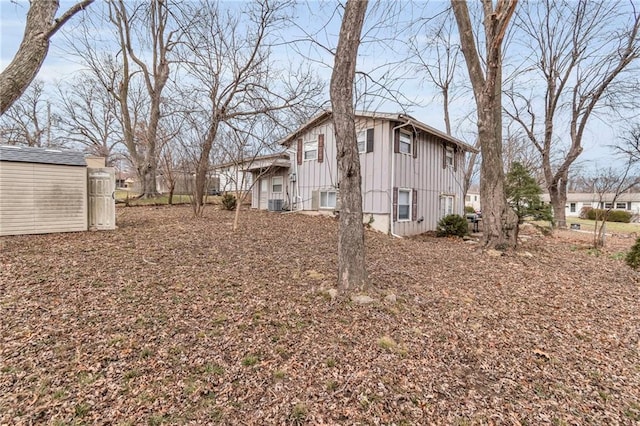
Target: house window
276,184
446,205
311,150
404,204
608,205
572,207
449,156
622,206
467,198
362,141
405,142
328,199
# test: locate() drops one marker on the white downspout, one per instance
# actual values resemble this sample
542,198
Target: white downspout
393,175
294,154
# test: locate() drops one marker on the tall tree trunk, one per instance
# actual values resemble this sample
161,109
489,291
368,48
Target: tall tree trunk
202,169
558,196
41,25
352,274
500,223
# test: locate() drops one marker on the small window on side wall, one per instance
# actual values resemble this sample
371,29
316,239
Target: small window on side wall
362,141
449,159
311,150
404,204
276,184
446,205
328,199
406,140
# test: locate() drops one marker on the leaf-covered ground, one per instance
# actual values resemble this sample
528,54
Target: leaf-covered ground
171,319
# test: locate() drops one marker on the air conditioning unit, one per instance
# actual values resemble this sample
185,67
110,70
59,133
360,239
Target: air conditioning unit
275,205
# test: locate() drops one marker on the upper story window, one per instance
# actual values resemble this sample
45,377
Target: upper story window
406,140
362,141
311,150
449,159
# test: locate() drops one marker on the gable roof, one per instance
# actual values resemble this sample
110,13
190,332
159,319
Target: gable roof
25,154
399,117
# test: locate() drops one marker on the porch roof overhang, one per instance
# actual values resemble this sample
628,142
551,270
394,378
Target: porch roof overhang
273,164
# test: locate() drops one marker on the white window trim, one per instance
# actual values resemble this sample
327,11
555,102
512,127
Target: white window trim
411,141
363,134
327,191
311,143
273,184
410,192
453,204
450,156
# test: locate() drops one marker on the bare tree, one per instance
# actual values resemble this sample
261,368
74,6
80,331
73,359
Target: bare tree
235,76
438,60
29,121
582,55
352,273
89,116
160,40
41,25
630,144
500,222
607,185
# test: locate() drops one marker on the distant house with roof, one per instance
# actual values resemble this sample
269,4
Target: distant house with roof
628,201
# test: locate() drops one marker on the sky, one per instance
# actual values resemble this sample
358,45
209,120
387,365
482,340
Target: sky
320,19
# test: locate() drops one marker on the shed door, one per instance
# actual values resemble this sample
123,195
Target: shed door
264,193
102,205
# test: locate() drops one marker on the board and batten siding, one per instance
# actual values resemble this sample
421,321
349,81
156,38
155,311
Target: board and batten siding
428,175
42,198
314,175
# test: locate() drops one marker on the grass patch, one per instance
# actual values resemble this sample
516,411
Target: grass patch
81,410
589,225
298,413
250,360
387,343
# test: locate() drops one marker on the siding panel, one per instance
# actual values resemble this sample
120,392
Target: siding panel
42,198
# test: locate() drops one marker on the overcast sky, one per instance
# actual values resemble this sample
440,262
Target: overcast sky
321,19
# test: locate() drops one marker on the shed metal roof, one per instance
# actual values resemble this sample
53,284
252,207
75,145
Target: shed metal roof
24,154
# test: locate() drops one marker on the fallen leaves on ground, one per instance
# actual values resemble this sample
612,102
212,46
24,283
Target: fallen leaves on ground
173,320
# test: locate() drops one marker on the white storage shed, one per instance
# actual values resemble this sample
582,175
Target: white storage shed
42,191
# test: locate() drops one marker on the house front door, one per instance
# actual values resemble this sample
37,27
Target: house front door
264,193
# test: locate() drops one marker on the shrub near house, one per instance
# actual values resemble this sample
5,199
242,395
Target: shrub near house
610,215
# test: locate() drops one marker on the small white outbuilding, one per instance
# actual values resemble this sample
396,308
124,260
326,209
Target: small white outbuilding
42,191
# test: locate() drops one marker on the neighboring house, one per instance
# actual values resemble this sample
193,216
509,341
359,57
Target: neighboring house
233,176
49,190
473,198
270,174
629,201
412,174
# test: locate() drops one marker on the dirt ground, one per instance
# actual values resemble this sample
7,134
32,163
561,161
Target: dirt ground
176,320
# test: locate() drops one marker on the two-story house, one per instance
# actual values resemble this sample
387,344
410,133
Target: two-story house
412,174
